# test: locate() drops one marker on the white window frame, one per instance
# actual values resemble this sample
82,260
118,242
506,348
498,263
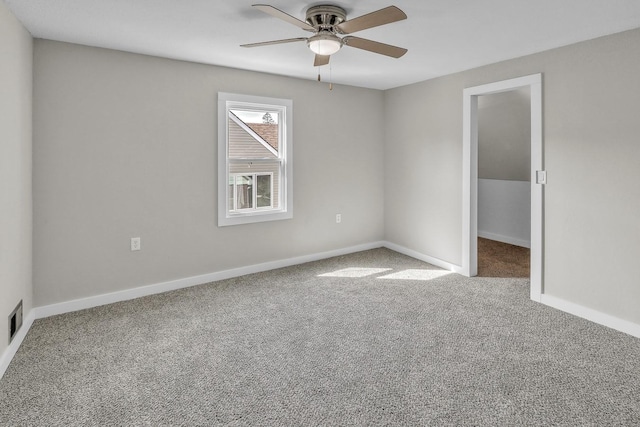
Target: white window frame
284,107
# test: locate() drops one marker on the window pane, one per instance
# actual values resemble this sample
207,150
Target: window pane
261,168
256,116
263,191
244,191
253,134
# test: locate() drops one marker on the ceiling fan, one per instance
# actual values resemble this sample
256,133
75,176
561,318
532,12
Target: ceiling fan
327,21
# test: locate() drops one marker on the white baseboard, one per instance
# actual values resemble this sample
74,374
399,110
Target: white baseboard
422,257
592,315
504,239
128,294
11,351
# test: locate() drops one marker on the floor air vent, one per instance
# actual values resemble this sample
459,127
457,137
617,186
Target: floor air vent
15,321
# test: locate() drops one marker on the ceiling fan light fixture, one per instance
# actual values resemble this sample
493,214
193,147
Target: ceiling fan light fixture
324,44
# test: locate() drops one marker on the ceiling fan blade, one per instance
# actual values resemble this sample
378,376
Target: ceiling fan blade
375,47
321,60
297,39
284,16
374,19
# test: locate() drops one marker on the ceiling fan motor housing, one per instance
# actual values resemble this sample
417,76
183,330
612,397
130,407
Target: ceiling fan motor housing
325,17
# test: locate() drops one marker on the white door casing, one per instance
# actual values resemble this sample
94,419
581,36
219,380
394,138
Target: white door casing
470,176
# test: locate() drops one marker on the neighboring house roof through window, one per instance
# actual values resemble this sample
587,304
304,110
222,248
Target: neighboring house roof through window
253,130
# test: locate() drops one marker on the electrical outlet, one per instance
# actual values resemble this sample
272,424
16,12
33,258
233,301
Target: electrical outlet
338,218
135,243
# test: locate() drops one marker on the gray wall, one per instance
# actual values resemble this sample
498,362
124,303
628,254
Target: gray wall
504,211
591,152
504,135
125,145
16,53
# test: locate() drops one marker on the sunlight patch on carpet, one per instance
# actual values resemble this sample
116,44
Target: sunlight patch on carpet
416,274
355,272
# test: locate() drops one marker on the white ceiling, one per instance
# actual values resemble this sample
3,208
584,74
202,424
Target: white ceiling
443,36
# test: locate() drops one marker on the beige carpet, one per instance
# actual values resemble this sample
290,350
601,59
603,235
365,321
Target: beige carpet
497,259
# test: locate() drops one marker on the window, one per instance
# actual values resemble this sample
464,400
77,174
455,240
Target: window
254,159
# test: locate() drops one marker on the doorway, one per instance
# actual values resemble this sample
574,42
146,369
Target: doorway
470,176
504,188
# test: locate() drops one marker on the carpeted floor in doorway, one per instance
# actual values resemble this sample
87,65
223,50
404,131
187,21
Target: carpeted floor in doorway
497,259
368,339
